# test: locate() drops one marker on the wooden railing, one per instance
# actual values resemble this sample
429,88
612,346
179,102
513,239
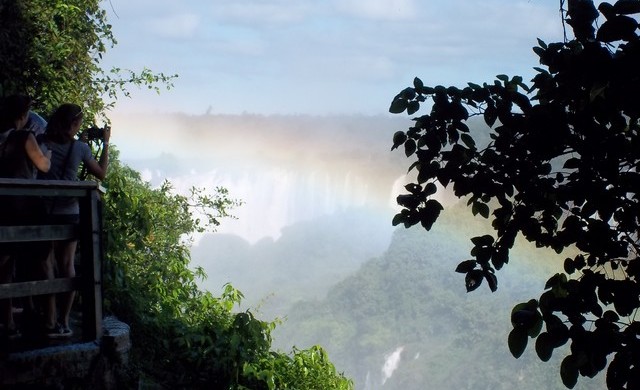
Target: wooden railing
88,232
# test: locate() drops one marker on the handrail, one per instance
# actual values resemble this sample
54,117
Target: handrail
89,282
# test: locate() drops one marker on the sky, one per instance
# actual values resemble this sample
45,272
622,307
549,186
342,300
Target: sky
319,57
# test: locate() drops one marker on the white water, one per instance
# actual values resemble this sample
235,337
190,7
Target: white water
391,364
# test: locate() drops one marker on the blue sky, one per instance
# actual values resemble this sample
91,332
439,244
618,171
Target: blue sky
319,56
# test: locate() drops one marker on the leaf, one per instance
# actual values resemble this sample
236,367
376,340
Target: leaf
524,317
485,240
627,7
555,280
617,28
430,189
398,219
503,77
569,267
597,90
572,163
398,139
490,116
569,371
398,105
492,280
412,107
480,208
468,140
466,266
429,213
541,43
536,327
517,340
473,279
409,147
418,84
610,316
544,347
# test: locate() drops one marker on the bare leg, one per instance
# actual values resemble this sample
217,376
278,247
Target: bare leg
46,272
65,256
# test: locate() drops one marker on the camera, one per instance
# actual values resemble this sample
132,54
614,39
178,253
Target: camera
95,133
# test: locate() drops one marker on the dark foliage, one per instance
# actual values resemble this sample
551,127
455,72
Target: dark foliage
562,170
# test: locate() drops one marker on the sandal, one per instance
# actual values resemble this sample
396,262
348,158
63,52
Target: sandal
59,332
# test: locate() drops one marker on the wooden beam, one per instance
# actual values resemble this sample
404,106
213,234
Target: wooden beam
39,287
37,233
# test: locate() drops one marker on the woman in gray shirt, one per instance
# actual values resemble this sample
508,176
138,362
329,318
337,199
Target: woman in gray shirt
67,155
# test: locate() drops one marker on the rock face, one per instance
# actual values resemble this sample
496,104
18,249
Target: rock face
94,365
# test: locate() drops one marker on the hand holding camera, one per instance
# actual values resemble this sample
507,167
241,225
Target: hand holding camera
94,133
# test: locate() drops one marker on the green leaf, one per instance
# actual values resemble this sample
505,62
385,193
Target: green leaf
503,77
569,371
517,340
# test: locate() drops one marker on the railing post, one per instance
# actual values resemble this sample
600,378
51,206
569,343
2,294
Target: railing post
90,257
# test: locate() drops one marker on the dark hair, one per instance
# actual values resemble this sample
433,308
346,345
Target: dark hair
60,122
12,108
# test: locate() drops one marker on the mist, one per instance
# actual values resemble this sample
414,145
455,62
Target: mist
313,247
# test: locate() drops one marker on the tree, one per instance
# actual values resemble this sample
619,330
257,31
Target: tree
561,168
185,337
52,50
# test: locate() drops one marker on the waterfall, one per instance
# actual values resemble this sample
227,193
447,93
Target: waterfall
274,197
391,363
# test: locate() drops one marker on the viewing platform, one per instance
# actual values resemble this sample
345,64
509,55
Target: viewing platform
99,346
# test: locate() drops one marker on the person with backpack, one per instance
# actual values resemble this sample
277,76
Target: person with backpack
20,158
67,155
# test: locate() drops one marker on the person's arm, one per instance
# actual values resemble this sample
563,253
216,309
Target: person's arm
41,161
99,168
